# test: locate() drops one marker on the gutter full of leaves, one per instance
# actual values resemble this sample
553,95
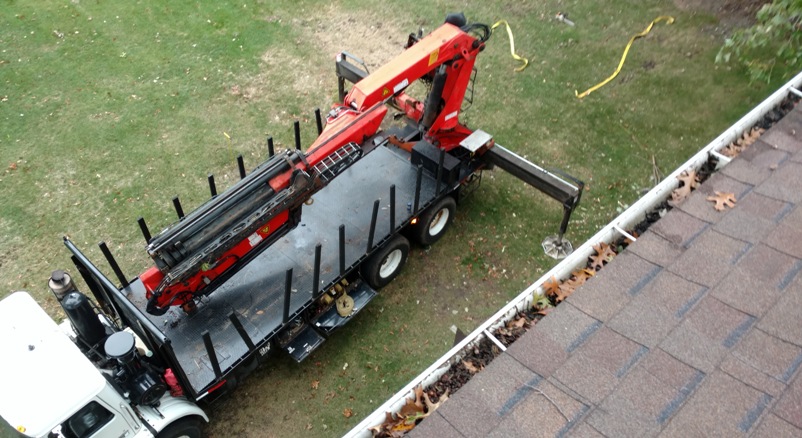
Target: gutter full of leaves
420,397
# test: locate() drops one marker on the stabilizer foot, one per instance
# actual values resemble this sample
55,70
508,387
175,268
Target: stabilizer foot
557,247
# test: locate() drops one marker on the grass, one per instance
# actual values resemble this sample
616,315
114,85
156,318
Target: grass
110,110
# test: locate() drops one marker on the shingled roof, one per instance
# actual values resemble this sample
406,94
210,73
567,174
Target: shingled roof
694,330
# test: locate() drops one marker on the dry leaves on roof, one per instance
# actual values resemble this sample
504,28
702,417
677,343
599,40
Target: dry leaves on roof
604,254
688,182
413,410
559,291
723,200
746,140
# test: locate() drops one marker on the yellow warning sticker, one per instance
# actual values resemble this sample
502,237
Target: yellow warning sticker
385,92
433,56
266,229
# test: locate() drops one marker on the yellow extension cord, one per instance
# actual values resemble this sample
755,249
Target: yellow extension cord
645,32
512,45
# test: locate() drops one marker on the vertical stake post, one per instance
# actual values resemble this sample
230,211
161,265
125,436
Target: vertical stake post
212,186
113,263
319,121
241,165
316,272
207,341
270,149
287,292
144,227
241,330
392,208
296,126
342,249
373,218
178,210
418,180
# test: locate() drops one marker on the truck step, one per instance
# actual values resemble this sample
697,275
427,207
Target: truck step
304,343
331,320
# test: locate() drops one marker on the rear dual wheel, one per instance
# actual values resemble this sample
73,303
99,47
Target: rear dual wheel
386,263
433,223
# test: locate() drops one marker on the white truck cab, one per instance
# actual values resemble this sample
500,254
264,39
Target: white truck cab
51,389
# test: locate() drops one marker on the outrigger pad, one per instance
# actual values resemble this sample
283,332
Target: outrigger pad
557,248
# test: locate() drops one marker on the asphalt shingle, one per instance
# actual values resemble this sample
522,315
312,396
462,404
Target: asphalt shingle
695,330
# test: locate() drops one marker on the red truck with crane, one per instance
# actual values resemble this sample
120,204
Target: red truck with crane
278,261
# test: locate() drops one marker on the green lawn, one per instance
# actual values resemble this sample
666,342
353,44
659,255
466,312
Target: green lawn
109,109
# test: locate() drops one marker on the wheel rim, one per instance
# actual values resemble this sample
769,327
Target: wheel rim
390,263
439,222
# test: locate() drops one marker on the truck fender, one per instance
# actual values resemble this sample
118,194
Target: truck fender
170,410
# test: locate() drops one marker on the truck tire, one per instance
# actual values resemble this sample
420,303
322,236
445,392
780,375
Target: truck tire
386,263
433,222
187,427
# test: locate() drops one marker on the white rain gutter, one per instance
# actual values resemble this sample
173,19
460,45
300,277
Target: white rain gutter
628,219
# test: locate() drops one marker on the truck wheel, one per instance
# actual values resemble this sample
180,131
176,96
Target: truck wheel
386,263
433,223
187,427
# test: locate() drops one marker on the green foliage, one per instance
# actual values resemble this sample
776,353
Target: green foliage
774,41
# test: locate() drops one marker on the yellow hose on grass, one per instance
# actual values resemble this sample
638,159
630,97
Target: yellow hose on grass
645,32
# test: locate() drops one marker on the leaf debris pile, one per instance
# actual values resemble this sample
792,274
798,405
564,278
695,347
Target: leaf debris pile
747,139
558,291
688,181
414,410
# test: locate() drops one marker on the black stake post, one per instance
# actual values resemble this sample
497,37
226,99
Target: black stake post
113,263
144,227
296,126
270,149
392,208
316,272
319,121
212,186
439,171
207,341
241,330
418,179
241,165
373,218
342,249
178,210
287,292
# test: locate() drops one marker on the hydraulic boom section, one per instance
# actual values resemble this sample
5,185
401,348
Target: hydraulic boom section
205,248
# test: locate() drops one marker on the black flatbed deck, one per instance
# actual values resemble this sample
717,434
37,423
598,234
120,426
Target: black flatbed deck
255,294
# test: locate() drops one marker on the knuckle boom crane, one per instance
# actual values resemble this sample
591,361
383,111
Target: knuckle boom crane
199,252
276,286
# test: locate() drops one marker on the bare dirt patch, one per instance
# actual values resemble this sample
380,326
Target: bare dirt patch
330,32
732,13
366,34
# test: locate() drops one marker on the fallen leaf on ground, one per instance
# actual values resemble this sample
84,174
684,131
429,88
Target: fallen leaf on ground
347,412
12,166
315,384
723,200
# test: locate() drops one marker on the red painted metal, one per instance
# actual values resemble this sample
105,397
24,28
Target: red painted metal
356,119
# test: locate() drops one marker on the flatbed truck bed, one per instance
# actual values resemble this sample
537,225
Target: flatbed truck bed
211,341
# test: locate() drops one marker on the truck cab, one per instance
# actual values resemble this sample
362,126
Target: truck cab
52,389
